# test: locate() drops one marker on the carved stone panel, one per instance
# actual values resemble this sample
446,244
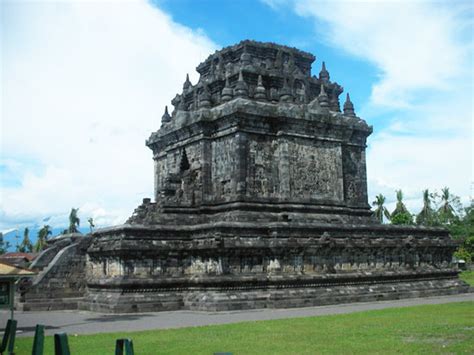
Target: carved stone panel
355,176
315,171
224,165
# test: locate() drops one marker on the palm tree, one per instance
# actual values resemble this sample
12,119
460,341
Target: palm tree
74,221
91,223
427,214
446,211
400,207
4,245
26,246
43,234
381,210
400,214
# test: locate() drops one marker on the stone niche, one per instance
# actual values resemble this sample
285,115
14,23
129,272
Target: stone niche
261,201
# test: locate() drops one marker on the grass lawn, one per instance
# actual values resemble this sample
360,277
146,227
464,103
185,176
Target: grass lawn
447,328
467,276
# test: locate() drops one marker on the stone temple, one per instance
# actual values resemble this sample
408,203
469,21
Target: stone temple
260,200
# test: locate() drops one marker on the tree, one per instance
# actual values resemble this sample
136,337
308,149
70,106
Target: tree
91,223
450,207
402,218
43,234
427,215
3,244
74,221
400,214
462,229
26,246
381,210
400,206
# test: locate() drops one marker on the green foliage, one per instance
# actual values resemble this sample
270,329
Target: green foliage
43,234
74,221
466,249
462,229
429,329
467,276
402,218
26,246
462,254
381,210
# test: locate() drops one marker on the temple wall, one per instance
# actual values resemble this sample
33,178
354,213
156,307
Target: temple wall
260,167
224,164
178,175
245,262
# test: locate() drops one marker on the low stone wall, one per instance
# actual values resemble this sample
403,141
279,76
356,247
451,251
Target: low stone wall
283,295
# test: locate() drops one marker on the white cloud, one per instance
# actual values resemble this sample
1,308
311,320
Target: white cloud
414,44
84,84
422,51
414,164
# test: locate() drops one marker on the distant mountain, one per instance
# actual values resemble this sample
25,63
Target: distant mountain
11,235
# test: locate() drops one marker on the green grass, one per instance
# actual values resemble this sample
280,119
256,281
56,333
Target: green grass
447,328
467,276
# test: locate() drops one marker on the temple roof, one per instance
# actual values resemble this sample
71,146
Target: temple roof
260,76
266,55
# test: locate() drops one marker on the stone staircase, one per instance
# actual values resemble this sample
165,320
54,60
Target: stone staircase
60,283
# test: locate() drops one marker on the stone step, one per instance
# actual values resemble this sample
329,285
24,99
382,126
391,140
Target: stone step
48,296
56,304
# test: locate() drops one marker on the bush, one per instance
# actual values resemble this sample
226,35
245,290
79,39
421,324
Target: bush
402,218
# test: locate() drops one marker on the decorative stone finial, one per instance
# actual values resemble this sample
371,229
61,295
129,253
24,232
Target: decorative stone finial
241,88
323,98
349,107
324,74
260,92
187,84
204,98
227,92
166,116
285,93
335,106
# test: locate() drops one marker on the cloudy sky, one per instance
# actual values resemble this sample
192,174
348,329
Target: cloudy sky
84,83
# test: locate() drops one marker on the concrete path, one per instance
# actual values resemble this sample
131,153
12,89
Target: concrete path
82,322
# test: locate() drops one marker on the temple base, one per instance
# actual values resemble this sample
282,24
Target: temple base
287,296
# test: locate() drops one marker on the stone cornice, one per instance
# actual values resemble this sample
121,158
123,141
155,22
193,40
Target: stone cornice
262,118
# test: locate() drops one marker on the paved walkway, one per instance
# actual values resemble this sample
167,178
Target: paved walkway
83,322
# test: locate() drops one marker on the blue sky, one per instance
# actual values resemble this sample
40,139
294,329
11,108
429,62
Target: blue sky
85,82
